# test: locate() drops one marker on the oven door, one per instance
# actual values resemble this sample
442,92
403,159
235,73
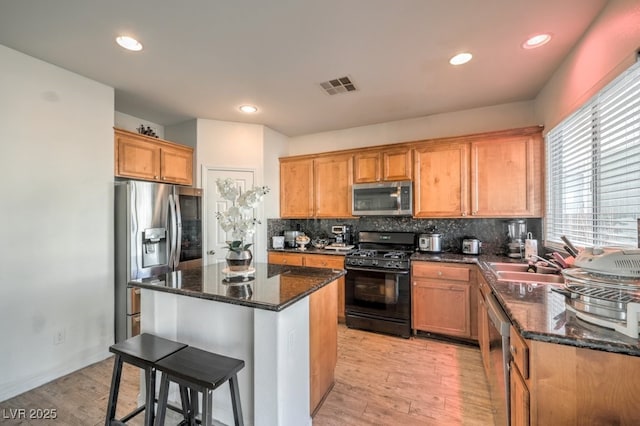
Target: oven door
380,293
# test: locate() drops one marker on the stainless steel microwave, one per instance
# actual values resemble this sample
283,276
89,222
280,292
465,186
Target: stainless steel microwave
383,199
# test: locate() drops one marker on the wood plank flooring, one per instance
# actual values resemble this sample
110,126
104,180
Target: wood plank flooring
383,380
380,380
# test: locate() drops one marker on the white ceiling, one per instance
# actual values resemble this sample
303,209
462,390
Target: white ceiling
204,58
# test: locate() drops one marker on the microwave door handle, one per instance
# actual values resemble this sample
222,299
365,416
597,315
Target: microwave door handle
399,199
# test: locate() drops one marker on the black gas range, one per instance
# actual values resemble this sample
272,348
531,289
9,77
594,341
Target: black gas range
377,284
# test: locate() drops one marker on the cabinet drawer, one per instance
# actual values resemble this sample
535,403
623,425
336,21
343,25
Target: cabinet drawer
324,261
433,270
519,352
286,258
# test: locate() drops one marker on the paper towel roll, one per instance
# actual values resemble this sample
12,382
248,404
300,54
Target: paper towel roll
530,247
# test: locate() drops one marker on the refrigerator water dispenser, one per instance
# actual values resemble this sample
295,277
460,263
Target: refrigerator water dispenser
154,241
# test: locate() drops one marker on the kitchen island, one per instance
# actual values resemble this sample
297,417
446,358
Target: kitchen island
276,319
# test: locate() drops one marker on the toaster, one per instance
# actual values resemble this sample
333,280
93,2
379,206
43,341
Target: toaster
471,245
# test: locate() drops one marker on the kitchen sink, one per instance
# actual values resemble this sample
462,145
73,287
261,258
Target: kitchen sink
517,272
528,277
516,267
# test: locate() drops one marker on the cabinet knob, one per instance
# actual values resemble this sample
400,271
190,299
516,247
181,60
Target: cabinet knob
474,213
464,213
155,177
439,273
211,252
513,350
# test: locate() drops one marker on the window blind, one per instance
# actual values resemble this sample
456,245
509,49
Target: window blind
593,169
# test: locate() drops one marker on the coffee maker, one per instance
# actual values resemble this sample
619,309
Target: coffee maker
343,235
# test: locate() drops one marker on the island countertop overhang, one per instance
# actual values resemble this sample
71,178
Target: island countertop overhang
271,287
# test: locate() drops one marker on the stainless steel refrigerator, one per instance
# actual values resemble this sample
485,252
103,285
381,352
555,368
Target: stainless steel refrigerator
158,229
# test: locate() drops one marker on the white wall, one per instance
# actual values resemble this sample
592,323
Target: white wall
276,145
606,49
499,117
131,123
56,238
223,144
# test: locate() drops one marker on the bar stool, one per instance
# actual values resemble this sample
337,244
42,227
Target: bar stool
199,371
143,351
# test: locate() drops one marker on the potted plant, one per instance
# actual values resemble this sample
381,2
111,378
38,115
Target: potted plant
239,220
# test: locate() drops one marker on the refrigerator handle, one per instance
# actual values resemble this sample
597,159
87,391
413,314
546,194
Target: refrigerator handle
178,223
172,231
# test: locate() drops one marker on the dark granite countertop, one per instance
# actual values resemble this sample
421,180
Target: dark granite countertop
270,287
311,250
538,313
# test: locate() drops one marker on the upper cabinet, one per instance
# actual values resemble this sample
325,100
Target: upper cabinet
296,188
490,175
507,176
441,185
332,186
318,187
143,157
386,164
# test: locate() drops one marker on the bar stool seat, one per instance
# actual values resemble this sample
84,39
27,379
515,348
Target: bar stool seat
142,351
199,371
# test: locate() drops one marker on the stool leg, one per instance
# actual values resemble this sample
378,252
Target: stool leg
207,407
150,397
162,400
186,405
194,406
235,400
115,389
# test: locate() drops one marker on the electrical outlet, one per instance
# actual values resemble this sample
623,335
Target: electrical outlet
58,337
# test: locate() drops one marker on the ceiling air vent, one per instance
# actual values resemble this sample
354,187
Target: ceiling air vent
338,85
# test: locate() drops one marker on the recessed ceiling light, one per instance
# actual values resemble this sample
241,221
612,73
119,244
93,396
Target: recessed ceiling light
129,43
461,58
536,41
248,109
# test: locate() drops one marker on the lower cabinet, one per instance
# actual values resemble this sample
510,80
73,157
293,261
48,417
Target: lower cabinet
314,261
553,384
519,398
441,299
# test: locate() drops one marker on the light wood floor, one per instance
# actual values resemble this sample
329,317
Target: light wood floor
380,380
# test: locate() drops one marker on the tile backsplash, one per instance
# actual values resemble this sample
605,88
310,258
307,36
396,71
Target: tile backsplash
492,232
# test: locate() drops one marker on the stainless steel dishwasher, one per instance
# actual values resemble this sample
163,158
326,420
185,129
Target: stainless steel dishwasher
499,359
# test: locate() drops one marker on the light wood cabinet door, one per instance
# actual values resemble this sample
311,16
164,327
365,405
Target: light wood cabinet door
366,167
442,180
383,165
333,177
397,164
520,399
176,165
296,188
441,307
323,341
136,158
506,177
